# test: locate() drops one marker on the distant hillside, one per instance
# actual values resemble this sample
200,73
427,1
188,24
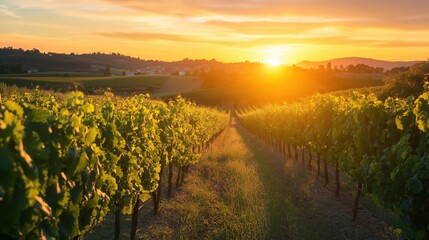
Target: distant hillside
387,65
19,60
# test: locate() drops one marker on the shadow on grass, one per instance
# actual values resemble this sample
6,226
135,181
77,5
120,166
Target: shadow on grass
308,207
289,188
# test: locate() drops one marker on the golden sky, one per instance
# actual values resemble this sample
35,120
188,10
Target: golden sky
230,31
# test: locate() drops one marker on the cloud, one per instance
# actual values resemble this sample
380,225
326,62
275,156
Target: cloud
50,4
329,41
268,28
236,42
325,8
143,36
240,25
252,16
240,15
404,44
6,11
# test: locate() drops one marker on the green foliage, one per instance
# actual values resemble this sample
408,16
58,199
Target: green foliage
382,144
408,83
65,165
58,82
107,70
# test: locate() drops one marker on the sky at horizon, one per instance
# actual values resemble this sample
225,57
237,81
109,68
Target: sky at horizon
287,31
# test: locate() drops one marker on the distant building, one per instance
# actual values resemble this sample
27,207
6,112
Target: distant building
150,70
33,70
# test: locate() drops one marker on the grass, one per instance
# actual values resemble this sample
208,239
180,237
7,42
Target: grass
125,81
288,187
244,189
278,92
378,91
115,82
302,207
223,199
91,79
369,76
53,74
205,96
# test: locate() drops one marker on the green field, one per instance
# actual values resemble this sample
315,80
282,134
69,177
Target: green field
53,74
207,96
378,91
125,81
338,84
55,82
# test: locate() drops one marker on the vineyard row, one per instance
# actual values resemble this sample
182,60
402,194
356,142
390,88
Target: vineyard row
382,146
66,164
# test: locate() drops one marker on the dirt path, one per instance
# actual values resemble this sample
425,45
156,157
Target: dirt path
302,207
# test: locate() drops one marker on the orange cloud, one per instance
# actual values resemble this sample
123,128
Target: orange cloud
325,8
230,30
262,41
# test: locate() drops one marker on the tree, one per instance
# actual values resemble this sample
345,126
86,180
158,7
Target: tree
329,66
108,70
336,68
406,83
19,68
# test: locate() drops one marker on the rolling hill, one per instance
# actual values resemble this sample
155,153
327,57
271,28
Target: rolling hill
387,65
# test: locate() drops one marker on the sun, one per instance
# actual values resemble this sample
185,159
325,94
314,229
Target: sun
274,55
273,62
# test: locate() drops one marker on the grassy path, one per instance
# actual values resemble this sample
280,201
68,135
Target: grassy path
289,185
301,207
243,189
222,198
